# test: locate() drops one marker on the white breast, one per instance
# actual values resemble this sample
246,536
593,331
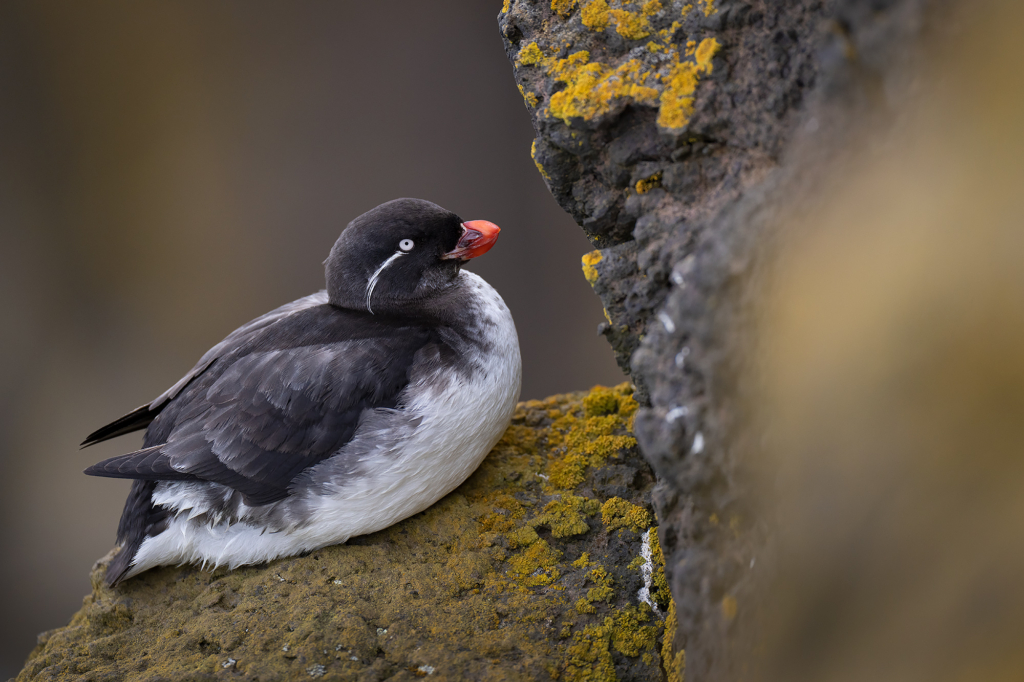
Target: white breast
407,460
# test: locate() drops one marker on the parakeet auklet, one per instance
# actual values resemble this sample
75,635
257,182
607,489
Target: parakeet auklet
333,416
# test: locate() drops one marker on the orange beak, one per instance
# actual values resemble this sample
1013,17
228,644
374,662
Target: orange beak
478,236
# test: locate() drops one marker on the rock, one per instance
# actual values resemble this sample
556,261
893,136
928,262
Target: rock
532,569
678,134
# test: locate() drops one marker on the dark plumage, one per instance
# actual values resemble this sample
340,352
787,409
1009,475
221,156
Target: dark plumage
265,431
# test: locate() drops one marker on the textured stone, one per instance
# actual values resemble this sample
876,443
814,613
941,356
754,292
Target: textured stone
683,219
517,575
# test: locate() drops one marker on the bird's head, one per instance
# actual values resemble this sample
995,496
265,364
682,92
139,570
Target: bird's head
400,253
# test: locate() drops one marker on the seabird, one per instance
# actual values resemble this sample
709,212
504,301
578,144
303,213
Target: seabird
333,416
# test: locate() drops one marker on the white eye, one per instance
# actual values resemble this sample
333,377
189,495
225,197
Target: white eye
405,245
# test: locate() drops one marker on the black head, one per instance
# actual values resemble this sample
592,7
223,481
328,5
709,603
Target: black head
400,253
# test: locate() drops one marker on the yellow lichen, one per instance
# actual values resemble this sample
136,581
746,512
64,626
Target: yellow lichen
505,6
618,513
650,8
592,88
583,561
705,51
528,97
602,591
530,54
660,592
595,15
590,655
709,7
562,7
533,155
647,184
589,261
565,516
677,97
672,661
582,452
601,402
630,25
536,565
522,537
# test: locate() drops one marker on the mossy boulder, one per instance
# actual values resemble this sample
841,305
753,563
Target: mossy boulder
543,565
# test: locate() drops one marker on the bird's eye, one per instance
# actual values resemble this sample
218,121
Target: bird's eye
405,245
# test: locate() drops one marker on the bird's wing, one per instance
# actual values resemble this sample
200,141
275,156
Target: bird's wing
290,397
142,416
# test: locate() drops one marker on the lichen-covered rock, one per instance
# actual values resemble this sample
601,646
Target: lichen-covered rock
678,133
650,118
543,565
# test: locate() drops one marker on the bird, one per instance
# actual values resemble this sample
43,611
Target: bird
333,416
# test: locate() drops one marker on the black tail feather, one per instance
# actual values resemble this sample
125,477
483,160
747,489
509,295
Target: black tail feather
148,464
137,419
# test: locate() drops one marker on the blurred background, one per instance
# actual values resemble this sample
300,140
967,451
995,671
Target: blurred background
168,171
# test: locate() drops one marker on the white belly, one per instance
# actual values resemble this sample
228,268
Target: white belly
405,460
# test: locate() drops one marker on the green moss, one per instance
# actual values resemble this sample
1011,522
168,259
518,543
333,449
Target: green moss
618,513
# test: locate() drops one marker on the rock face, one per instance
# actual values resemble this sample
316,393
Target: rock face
677,133
544,564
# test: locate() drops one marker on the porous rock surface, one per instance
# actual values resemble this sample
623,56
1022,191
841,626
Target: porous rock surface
679,134
531,570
